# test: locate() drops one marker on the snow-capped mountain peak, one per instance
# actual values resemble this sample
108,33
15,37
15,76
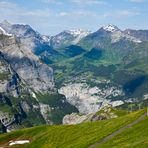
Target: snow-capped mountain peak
116,34
111,28
68,37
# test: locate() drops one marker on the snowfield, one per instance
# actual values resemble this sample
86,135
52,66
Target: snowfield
18,142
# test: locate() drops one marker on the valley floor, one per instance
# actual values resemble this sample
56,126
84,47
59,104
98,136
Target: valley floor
130,130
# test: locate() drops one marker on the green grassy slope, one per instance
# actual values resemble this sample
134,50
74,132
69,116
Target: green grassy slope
136,136
76,136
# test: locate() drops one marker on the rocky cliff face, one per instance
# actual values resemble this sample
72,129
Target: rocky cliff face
36,74
105,113
22,74
139,34
90,99
24,80
15,97
68,37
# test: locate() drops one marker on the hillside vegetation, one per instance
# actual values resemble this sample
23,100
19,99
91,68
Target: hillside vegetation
136,136
83,135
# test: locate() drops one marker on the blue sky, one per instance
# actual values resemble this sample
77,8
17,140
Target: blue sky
53,16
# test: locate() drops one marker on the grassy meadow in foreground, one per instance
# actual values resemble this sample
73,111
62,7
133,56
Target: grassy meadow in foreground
81,135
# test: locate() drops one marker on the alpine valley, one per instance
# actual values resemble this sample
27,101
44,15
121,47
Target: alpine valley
68,78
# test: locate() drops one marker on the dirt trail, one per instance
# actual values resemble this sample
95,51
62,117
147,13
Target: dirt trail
117,132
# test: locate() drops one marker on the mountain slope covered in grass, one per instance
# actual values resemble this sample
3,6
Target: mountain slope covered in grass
136,136
82,135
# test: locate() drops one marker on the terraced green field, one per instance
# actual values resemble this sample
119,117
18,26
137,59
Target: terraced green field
83,135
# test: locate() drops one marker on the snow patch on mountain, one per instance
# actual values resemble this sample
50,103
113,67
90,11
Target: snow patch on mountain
46,38
2,31
110,28
68,37
118,35
77,32
18,142
79,35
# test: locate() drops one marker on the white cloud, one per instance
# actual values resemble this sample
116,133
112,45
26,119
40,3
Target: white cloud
7,5
84,13
63,14
137,1
121,13
52,1
11,9
77,14
37,13
89,2
128,13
